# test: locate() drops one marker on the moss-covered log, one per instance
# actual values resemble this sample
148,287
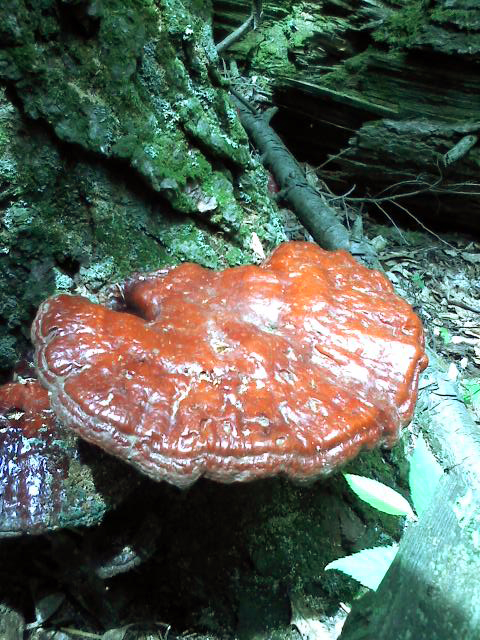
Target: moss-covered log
376,94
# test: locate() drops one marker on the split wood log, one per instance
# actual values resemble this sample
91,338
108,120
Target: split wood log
432,591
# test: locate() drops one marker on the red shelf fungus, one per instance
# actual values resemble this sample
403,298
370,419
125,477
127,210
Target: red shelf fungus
289,367
26,406
44,485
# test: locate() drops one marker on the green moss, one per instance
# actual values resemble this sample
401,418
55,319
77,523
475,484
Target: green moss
345,76
203,125
128,91
121,124
8,349
401,28
464,18
272,52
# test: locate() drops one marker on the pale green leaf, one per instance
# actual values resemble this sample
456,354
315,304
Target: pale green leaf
471,395
379,496
368,566
445,335
423,475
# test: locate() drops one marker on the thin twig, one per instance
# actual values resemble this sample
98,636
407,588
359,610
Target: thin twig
418,221
393,222
243,100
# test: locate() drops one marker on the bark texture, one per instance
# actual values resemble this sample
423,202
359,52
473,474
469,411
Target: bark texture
119,151
383,96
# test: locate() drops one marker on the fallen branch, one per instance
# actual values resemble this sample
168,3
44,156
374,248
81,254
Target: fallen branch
311,208
251,22
235,35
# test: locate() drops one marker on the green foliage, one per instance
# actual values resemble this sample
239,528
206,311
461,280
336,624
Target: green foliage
367,566
423,475
379,496
370,565
471,394
418,281
445,335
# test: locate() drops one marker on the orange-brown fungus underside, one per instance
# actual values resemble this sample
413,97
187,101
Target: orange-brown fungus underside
289,367
26,406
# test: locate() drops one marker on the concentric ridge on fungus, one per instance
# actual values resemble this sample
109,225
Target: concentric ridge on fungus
289,367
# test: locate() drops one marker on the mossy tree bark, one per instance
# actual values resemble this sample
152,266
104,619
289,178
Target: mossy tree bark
119,151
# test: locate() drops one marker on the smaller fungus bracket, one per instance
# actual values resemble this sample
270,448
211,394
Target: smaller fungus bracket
289,367
44,481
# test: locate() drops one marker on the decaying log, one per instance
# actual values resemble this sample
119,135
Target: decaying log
382,96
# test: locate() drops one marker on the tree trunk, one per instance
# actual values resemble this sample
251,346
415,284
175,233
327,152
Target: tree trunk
119,151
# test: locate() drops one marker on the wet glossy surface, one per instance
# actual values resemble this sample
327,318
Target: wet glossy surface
43,483
293,367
